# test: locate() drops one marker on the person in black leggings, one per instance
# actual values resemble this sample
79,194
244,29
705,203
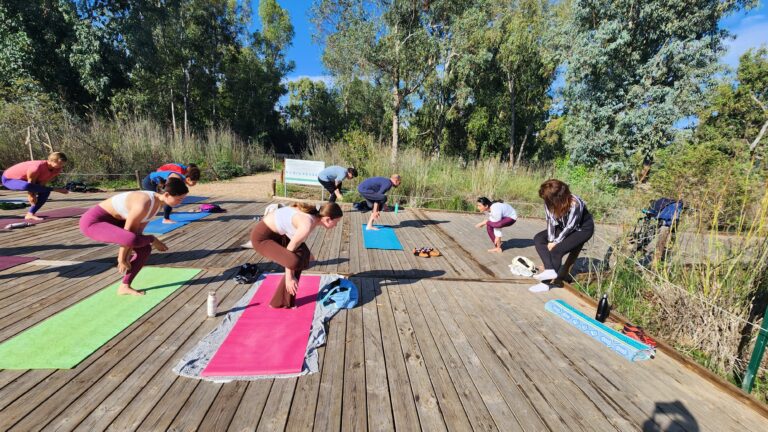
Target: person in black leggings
569,226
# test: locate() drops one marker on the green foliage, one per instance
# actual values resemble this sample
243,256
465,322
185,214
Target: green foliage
634,70
357,148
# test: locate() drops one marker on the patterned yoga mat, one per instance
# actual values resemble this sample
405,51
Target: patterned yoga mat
621,344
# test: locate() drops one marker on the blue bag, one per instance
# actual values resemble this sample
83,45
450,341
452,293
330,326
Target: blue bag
667,210
339,294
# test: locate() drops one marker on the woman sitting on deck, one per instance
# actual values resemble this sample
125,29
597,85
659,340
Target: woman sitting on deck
569,226
500,215
280,237
121,220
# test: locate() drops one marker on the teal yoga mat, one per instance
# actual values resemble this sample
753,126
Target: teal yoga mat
156,226
621,344
384,238
67,338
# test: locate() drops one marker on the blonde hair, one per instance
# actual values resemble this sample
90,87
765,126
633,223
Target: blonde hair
57,157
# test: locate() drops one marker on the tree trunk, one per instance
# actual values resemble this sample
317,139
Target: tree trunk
511,89
173,116
186,102
522,145
396,102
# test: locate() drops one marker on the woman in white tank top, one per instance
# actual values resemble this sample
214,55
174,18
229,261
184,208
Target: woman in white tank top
122,218
280,237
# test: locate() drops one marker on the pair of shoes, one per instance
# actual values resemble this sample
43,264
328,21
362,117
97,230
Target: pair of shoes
247,274
539,287
547,274
426,252
637,333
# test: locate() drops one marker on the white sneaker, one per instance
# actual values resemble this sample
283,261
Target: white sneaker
547,274
248,245
539,287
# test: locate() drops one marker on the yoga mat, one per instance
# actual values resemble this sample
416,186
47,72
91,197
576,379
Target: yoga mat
7,262
267,341
49,216
384,238
67,338
621,344
191,199
156,226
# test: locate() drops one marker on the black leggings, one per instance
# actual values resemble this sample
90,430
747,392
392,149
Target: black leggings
574,242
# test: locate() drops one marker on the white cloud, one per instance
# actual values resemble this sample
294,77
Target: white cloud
327,79
752,33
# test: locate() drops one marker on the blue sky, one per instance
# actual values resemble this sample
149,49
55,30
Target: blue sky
750,30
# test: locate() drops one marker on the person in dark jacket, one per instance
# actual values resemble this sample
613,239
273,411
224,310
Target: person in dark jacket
374,191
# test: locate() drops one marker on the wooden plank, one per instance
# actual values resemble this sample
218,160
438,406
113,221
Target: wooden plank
379,407
403,404
275,414
303,407
328,411
353,403
251,406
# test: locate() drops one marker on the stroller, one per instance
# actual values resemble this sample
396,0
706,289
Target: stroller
658,222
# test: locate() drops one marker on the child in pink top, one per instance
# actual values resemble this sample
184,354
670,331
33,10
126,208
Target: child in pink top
32,177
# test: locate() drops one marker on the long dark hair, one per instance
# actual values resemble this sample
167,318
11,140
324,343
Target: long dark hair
175,186
557,197
193,172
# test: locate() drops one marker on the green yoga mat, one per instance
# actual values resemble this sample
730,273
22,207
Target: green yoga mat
67,338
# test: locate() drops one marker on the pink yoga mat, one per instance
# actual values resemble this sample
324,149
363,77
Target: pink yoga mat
266,341
7,262
49,215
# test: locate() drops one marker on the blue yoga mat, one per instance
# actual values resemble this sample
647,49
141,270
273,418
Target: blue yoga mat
621,344
384,238
156,226
191,199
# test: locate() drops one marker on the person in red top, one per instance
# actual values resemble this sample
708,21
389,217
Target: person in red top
32,177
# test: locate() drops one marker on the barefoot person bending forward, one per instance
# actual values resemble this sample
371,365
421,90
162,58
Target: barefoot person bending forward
500,215
569,226
280,237
32,177
374,191
121,220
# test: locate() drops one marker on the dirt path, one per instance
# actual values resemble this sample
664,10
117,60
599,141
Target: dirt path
253,186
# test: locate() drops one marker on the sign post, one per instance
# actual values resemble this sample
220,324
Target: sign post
302,172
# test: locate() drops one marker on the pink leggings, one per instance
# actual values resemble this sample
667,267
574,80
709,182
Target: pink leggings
101,226
490,226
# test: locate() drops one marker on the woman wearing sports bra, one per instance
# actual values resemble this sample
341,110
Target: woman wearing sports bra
121,220
280,237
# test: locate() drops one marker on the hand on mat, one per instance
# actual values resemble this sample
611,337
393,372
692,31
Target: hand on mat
159,245
291,285
123,266
62,190
551,246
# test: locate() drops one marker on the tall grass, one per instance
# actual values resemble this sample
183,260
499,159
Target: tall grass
707,298
116,147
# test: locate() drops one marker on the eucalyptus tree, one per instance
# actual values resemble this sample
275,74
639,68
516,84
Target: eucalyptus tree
634,69
388,40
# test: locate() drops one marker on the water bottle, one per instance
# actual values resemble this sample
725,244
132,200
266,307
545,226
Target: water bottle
212,304
603,309
18,225
397,207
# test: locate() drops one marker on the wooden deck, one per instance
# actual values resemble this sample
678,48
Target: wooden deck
449,343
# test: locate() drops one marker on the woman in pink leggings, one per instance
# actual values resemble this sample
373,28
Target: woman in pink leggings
121,220
500,215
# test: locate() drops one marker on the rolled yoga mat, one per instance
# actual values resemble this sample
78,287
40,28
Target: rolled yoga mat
621,344
156,226
267,341
67,338
384,238
7,262
49,216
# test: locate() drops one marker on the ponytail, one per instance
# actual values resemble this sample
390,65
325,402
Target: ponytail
307,208
331,210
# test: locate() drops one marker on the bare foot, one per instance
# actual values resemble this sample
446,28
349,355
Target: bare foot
496,250
168,221
32,217
125,289
159,245
371,228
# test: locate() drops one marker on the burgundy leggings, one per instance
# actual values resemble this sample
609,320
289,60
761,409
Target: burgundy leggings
101,226
490,226
273,246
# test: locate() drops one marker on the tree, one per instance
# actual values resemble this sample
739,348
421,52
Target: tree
314,109
634,69
380,40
